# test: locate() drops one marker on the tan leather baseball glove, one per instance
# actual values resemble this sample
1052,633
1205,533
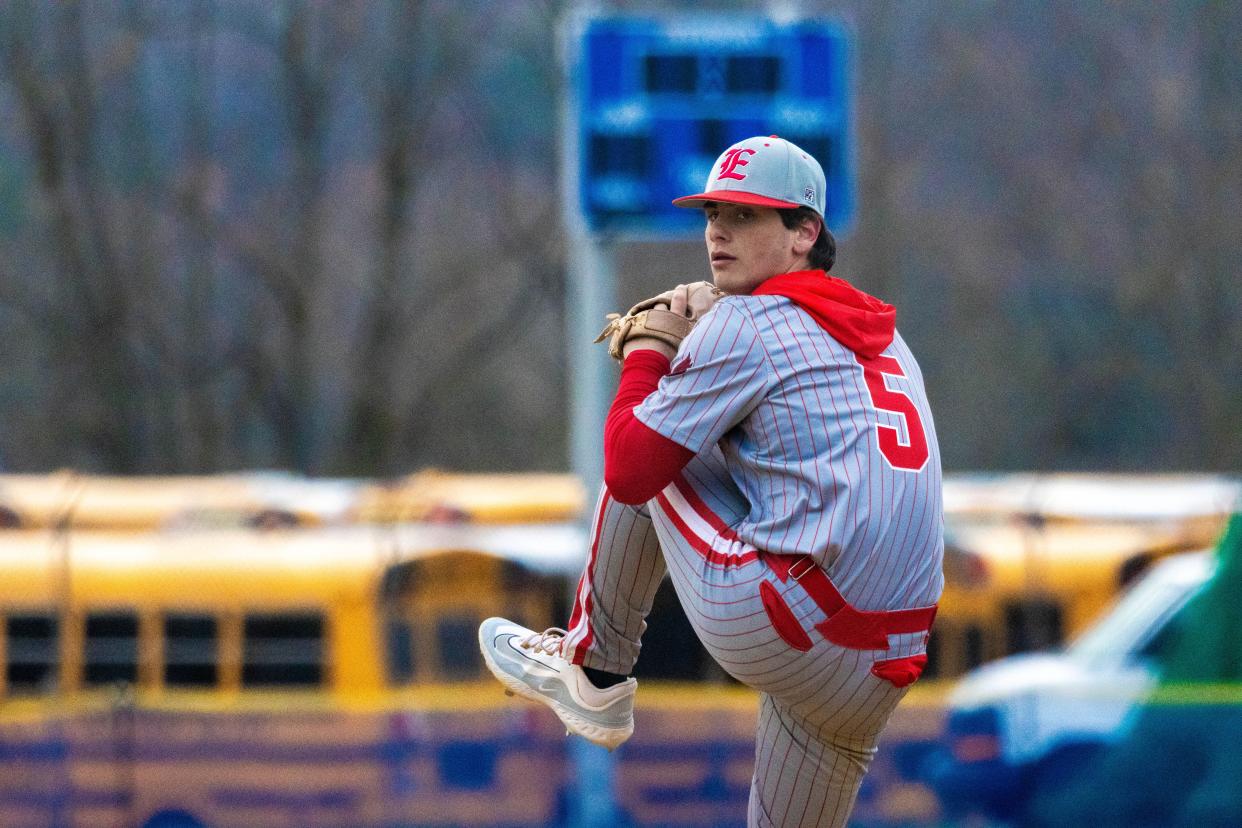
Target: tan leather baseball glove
653,319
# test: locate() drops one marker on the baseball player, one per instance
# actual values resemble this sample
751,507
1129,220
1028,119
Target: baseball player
770,446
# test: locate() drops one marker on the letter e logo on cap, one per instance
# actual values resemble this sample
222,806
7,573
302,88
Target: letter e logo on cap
733,160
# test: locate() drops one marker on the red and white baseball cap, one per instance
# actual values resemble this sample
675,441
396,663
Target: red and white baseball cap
763,172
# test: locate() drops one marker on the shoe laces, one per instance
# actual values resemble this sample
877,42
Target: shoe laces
549,641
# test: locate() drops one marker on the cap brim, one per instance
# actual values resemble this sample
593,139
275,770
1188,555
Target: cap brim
732,197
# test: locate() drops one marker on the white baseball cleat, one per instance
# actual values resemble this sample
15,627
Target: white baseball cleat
531,665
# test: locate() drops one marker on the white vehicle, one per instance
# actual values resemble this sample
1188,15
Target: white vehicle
1026,721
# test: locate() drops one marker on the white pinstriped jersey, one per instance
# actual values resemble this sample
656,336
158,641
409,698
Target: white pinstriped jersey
818,442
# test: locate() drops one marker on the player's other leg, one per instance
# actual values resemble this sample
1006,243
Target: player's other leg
623,571
802,779
618,585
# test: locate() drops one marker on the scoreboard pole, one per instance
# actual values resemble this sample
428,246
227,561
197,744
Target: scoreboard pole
590,294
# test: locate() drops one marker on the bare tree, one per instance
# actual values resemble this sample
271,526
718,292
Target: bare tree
87,311
325,236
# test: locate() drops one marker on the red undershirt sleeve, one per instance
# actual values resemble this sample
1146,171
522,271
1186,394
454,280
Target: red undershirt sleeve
639,461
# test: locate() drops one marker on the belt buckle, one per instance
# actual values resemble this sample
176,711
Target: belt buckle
805,559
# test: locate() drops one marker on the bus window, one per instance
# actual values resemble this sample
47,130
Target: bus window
282,650
957,645
457,643
399,640
32,642
111,652
974,648
191,643
9,519
1033,624
432,608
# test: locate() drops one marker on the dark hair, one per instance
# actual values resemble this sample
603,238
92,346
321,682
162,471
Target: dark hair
824,253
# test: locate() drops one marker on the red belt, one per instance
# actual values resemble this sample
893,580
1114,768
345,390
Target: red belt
846,626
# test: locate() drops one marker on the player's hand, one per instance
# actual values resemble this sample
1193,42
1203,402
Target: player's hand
694,300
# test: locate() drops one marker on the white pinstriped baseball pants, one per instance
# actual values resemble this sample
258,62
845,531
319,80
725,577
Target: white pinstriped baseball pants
821,710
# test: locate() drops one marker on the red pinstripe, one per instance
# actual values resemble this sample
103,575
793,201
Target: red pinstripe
582,606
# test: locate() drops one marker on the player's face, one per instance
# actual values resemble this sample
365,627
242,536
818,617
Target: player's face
748,245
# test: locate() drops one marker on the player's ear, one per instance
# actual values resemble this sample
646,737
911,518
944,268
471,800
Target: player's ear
805,235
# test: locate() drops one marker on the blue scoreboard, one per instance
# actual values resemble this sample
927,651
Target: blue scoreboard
655,101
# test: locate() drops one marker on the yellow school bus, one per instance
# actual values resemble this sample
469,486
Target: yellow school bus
135,668
70,500
235,609
444,497
1031,560
191,675
329,677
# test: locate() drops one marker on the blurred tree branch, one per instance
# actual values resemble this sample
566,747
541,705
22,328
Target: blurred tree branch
325,236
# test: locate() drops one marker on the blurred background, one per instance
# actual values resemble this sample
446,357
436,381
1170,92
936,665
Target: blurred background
285,411
298,235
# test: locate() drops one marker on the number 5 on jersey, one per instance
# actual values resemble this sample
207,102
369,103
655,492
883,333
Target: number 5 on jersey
908,456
